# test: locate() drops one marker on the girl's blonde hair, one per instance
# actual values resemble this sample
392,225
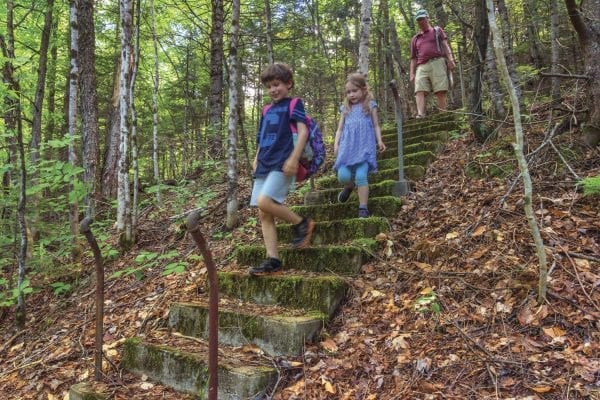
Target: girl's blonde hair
359,80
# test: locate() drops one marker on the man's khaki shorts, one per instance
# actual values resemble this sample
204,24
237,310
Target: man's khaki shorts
432,76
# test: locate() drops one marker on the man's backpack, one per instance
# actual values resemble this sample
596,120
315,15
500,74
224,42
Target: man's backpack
313,154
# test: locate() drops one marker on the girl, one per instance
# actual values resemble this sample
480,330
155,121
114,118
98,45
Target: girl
357,139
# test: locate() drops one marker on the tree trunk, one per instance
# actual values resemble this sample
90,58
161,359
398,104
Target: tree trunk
36,125
51,75
363,44
109,180
406,97
508,50
480,39
586,21
155,87
493,82
269,33
216,78
531,16
73,91
232,176
518,145
88,102
124,227
554,50
134,121
12,125
440,13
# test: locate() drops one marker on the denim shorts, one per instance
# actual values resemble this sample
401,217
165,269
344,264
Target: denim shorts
275,185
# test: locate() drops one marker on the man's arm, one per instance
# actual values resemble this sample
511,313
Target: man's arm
290,167
448,54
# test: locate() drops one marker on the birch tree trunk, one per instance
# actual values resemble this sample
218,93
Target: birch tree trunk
269,28
38,102
73,91
124,227
88,102
12,125
216,78
493,81
232,176
586,21
134,145
518,146
155,87
554,50
363,44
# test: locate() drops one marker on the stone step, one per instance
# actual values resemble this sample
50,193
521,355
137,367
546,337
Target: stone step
87,391
388,170
422,158
276,335
337,231
387,206
323,293
329,196
342,260
392,140
411,151
187,371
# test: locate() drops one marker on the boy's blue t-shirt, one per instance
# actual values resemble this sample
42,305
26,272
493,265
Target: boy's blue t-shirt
274,138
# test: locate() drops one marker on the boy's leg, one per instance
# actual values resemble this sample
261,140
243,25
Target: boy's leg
269,231
273,193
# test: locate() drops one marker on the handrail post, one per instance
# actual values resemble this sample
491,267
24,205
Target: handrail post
401,188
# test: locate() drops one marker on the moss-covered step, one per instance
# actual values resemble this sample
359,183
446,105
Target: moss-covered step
86,391
413,150
188,372
329,196
337,231
276,335
387,206
433,128
432,118
392,140
341,260
388,170
323,293
422,158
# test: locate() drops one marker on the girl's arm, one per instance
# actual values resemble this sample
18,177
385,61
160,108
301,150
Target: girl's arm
338,135
377,129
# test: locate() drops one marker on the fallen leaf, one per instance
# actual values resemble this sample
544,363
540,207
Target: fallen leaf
479,231
329,346
541,389
451,235
146,385
329,388
554,332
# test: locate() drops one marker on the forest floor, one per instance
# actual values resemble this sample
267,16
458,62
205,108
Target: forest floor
447,310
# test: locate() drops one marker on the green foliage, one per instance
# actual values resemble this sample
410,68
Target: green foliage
591,185
8,297
60,288
428,303
148,259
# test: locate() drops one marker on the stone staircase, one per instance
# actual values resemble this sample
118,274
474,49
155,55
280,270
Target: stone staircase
274,316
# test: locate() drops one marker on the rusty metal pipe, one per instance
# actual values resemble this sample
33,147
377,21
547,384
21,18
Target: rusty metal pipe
84,228
213,303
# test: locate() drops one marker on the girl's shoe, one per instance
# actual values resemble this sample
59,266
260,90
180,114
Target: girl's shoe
345,194
269,266
363,213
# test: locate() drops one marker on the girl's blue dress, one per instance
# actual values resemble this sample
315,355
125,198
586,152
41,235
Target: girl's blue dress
357,143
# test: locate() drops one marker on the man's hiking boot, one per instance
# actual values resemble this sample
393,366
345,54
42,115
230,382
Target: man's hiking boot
302,233
363,213
269,266
345,194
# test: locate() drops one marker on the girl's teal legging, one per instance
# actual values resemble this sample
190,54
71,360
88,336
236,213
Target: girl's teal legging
359,171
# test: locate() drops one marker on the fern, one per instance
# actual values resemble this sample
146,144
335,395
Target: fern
591,185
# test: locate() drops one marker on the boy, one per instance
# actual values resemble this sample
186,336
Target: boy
276,164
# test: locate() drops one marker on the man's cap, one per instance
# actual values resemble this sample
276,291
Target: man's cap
421,14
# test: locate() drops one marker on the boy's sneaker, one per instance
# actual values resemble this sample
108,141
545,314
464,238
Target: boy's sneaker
363,213
302,233
345,194
269,266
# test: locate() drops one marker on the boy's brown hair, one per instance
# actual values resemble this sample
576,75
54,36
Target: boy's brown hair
279,71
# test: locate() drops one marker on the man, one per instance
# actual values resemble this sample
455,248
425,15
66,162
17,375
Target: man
430,59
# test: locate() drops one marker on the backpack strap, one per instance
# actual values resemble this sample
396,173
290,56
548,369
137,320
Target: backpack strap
437,38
